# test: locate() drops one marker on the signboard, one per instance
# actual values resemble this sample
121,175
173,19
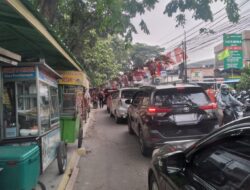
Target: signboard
12,73
233,42
50,143
176,56
196,75
164,74
44,76
72,78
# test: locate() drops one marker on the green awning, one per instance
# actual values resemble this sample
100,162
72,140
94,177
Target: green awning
25,32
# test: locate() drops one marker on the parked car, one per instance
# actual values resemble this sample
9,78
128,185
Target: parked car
218,161
109,99
170,113
118,106
107,92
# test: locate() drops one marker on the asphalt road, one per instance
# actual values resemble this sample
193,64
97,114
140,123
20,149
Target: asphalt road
114,161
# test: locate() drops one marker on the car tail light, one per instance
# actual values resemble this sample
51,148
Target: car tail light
152,111
211,106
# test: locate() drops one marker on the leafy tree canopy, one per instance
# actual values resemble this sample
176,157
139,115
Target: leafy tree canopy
83,25
100,61
244,79
140,53
201,10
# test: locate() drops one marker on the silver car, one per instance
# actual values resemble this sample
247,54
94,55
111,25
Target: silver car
118,106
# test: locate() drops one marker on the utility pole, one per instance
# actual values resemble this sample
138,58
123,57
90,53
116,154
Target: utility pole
185,58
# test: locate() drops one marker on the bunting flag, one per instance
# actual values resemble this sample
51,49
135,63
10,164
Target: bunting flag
223,55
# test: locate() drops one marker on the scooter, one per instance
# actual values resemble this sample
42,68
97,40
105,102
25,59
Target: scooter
232,113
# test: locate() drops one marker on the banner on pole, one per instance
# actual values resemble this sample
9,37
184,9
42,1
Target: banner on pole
233,43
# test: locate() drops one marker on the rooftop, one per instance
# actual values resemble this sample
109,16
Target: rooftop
25,32
169,86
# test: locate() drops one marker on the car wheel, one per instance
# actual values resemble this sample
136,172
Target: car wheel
130,130
117,119
153,183
146,151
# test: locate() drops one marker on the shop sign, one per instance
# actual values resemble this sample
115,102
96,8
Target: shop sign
12,73
176,56
164,74
46,78
71,78
50,143
196,75
233,43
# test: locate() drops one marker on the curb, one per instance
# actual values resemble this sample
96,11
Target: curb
69,171
72,170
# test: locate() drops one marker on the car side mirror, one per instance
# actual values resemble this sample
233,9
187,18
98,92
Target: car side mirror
128,101
174,162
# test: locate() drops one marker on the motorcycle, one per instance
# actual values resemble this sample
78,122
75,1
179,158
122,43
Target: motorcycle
232,113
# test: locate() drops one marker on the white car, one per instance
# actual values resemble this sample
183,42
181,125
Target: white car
119,108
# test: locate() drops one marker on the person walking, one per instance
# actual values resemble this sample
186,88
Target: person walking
101,98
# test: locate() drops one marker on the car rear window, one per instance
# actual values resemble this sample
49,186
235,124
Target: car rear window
168,97
128,93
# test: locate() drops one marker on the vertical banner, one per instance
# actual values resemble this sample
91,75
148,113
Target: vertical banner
233,43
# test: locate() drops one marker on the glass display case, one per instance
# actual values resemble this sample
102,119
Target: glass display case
31,111
68,102
27,108
30,101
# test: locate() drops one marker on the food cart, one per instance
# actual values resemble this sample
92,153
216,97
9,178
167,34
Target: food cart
30,121
72,108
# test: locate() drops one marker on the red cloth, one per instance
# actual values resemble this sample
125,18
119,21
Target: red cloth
211,94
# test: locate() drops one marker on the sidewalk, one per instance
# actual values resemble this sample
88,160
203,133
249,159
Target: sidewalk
51,178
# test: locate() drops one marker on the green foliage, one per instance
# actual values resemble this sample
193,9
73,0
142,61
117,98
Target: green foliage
140,53
84,24
244,79
121,52
201,10
100,62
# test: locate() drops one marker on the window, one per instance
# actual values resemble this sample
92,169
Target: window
128,94
9,110
115,95
68,99
54,110
146,99
138,98
192,96
225,165
27,105
44,106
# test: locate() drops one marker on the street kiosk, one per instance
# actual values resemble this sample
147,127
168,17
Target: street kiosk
72,107
30,123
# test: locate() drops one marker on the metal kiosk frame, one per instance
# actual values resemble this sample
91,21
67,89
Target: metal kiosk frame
36,107
72,110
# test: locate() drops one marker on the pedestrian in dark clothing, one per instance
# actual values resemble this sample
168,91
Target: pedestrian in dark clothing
101,98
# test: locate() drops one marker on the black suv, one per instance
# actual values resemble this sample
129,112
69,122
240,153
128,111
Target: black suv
220,161
170,113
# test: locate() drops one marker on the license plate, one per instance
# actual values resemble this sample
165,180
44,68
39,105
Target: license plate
185,117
